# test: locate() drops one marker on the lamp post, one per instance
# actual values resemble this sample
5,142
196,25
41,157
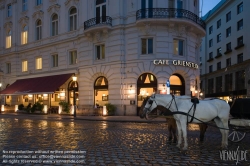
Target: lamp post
74,92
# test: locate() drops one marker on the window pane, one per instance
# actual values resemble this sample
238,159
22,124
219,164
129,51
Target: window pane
71,23
180,47
103,52
98,53
175,47
150,46
144,46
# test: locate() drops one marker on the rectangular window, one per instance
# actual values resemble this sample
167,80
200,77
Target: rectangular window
8,40
147,46
211,68
219,51
54,60
211,43
9,10
240,80
72,57
211,55
100,52
228,62
219,84
24,37
240,58
39,63
229,46
39,2
210,86
240,25
178,47
218,38
8,68
24,5
218,65
240,41
210,30
240,8
24,66
228,32
228,16
218,23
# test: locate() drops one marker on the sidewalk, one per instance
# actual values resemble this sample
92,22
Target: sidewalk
90,118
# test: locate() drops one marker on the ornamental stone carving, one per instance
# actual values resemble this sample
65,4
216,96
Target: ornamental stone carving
54,8
24,20
8,25
38,15
71,2
181,31
198,41
98,36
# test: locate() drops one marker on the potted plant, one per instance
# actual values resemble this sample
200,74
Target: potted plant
65,106
28,108
111,108
20,107
37,107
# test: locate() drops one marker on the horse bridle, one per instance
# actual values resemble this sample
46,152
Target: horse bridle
151,103
173,99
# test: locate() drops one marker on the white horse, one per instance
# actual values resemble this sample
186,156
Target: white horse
206,110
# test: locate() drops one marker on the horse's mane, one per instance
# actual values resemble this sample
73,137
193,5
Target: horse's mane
179,97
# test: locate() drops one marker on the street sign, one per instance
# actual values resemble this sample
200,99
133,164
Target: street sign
168,86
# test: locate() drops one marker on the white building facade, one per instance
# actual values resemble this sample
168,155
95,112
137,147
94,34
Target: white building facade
225,67
120,50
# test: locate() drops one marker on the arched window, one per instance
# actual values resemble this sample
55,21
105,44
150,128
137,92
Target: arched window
38,30
54,24
24,35
101,91
100,11
73,19
8,39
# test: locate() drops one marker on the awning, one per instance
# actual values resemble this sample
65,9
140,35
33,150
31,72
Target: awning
48,84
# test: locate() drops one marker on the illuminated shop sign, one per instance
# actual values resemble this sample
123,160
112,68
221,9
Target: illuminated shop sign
176,63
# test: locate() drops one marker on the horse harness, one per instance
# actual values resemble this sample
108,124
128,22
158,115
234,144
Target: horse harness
195,101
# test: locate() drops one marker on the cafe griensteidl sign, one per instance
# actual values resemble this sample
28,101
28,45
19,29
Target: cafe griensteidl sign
176,63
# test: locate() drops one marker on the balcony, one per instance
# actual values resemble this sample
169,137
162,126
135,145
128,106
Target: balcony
98,23
210,59
169,14
228,51
218,55
239,46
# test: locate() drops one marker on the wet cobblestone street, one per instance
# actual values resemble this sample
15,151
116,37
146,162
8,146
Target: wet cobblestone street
115,143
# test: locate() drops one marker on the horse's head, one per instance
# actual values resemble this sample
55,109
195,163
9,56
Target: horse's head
149,106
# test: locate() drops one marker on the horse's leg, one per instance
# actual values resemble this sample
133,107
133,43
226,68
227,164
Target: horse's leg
169,129
184,132
220,124
225,125
203,128
179,133
174,128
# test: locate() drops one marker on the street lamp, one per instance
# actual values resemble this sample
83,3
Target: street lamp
74,91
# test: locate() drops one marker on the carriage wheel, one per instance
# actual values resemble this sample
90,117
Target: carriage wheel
236,134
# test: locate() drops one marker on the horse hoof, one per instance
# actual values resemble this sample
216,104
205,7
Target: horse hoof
178,146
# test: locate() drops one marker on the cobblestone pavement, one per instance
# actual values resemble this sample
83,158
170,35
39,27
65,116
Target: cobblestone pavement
112,143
